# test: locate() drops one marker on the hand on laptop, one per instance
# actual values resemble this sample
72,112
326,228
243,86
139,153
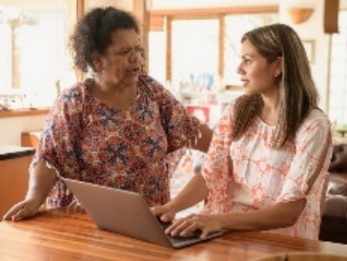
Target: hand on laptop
187,225
166,212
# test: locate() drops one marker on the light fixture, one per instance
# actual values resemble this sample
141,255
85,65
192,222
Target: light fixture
299,11
299,15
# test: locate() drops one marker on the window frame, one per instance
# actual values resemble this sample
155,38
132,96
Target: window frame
162,20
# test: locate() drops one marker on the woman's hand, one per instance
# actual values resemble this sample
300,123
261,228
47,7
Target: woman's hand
41,180
207,223
24,209
166,212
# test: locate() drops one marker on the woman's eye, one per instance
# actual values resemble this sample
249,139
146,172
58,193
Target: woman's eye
124,52
140,50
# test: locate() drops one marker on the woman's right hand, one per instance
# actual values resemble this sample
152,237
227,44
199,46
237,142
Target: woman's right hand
166,212
22,210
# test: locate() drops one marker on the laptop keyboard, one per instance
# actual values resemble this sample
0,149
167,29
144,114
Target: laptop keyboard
194,237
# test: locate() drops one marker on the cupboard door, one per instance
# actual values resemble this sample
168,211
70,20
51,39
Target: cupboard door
14,177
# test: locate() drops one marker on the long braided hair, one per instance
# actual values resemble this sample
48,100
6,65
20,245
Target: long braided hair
298,95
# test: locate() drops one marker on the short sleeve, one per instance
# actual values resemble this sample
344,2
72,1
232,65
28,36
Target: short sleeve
58,144
180,127
312,157
216,169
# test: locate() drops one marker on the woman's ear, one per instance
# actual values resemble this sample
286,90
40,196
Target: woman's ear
96,58
278,66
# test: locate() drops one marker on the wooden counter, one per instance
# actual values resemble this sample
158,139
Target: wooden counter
68,234
23,112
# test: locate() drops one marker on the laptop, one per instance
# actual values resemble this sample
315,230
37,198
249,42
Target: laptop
127,213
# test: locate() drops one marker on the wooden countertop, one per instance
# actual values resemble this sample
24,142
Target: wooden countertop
23,112
10,152
68,234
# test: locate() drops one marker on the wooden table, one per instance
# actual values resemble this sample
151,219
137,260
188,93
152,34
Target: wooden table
68,234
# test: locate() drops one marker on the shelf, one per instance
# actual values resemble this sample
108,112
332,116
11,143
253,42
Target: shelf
23,112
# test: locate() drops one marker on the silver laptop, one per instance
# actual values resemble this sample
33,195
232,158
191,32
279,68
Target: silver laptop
127,213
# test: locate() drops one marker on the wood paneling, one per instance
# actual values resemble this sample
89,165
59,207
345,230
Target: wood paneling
123,4
221,43
156,23
213,12
331,13
168,60
140,11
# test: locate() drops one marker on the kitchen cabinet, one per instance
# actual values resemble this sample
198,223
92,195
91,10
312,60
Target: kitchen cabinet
14,175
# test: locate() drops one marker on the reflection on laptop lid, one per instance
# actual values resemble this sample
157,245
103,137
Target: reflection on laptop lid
126,213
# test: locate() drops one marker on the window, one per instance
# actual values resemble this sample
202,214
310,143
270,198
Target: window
33,51
156,55
338,74
195,53
5,54
204,51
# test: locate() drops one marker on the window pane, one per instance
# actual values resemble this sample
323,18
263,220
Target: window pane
338,67
157,55
195,53
34,49
337,83
5,57
339,51
338,73
42,52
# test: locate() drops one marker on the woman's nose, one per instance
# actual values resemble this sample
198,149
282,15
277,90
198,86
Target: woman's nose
134,56
239,69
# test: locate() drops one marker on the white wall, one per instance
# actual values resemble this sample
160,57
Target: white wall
313,29
12,128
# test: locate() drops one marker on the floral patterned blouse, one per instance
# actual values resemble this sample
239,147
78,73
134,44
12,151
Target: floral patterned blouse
259,177
85,139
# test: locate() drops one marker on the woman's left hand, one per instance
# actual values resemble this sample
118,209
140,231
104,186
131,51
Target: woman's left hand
207,223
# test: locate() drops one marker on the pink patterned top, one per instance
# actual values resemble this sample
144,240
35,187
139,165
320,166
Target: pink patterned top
259,176
85,139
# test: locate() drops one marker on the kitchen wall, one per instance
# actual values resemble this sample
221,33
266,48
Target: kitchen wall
11,128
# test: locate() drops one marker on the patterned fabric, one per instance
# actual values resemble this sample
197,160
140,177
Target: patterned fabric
85,139
259,177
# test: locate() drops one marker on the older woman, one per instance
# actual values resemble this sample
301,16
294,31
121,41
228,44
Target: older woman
116,128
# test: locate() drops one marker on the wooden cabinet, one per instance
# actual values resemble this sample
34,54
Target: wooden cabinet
30,139
14,178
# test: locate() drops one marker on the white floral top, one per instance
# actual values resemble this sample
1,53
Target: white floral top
259,176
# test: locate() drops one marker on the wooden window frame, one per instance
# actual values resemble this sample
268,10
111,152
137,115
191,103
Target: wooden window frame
161,20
